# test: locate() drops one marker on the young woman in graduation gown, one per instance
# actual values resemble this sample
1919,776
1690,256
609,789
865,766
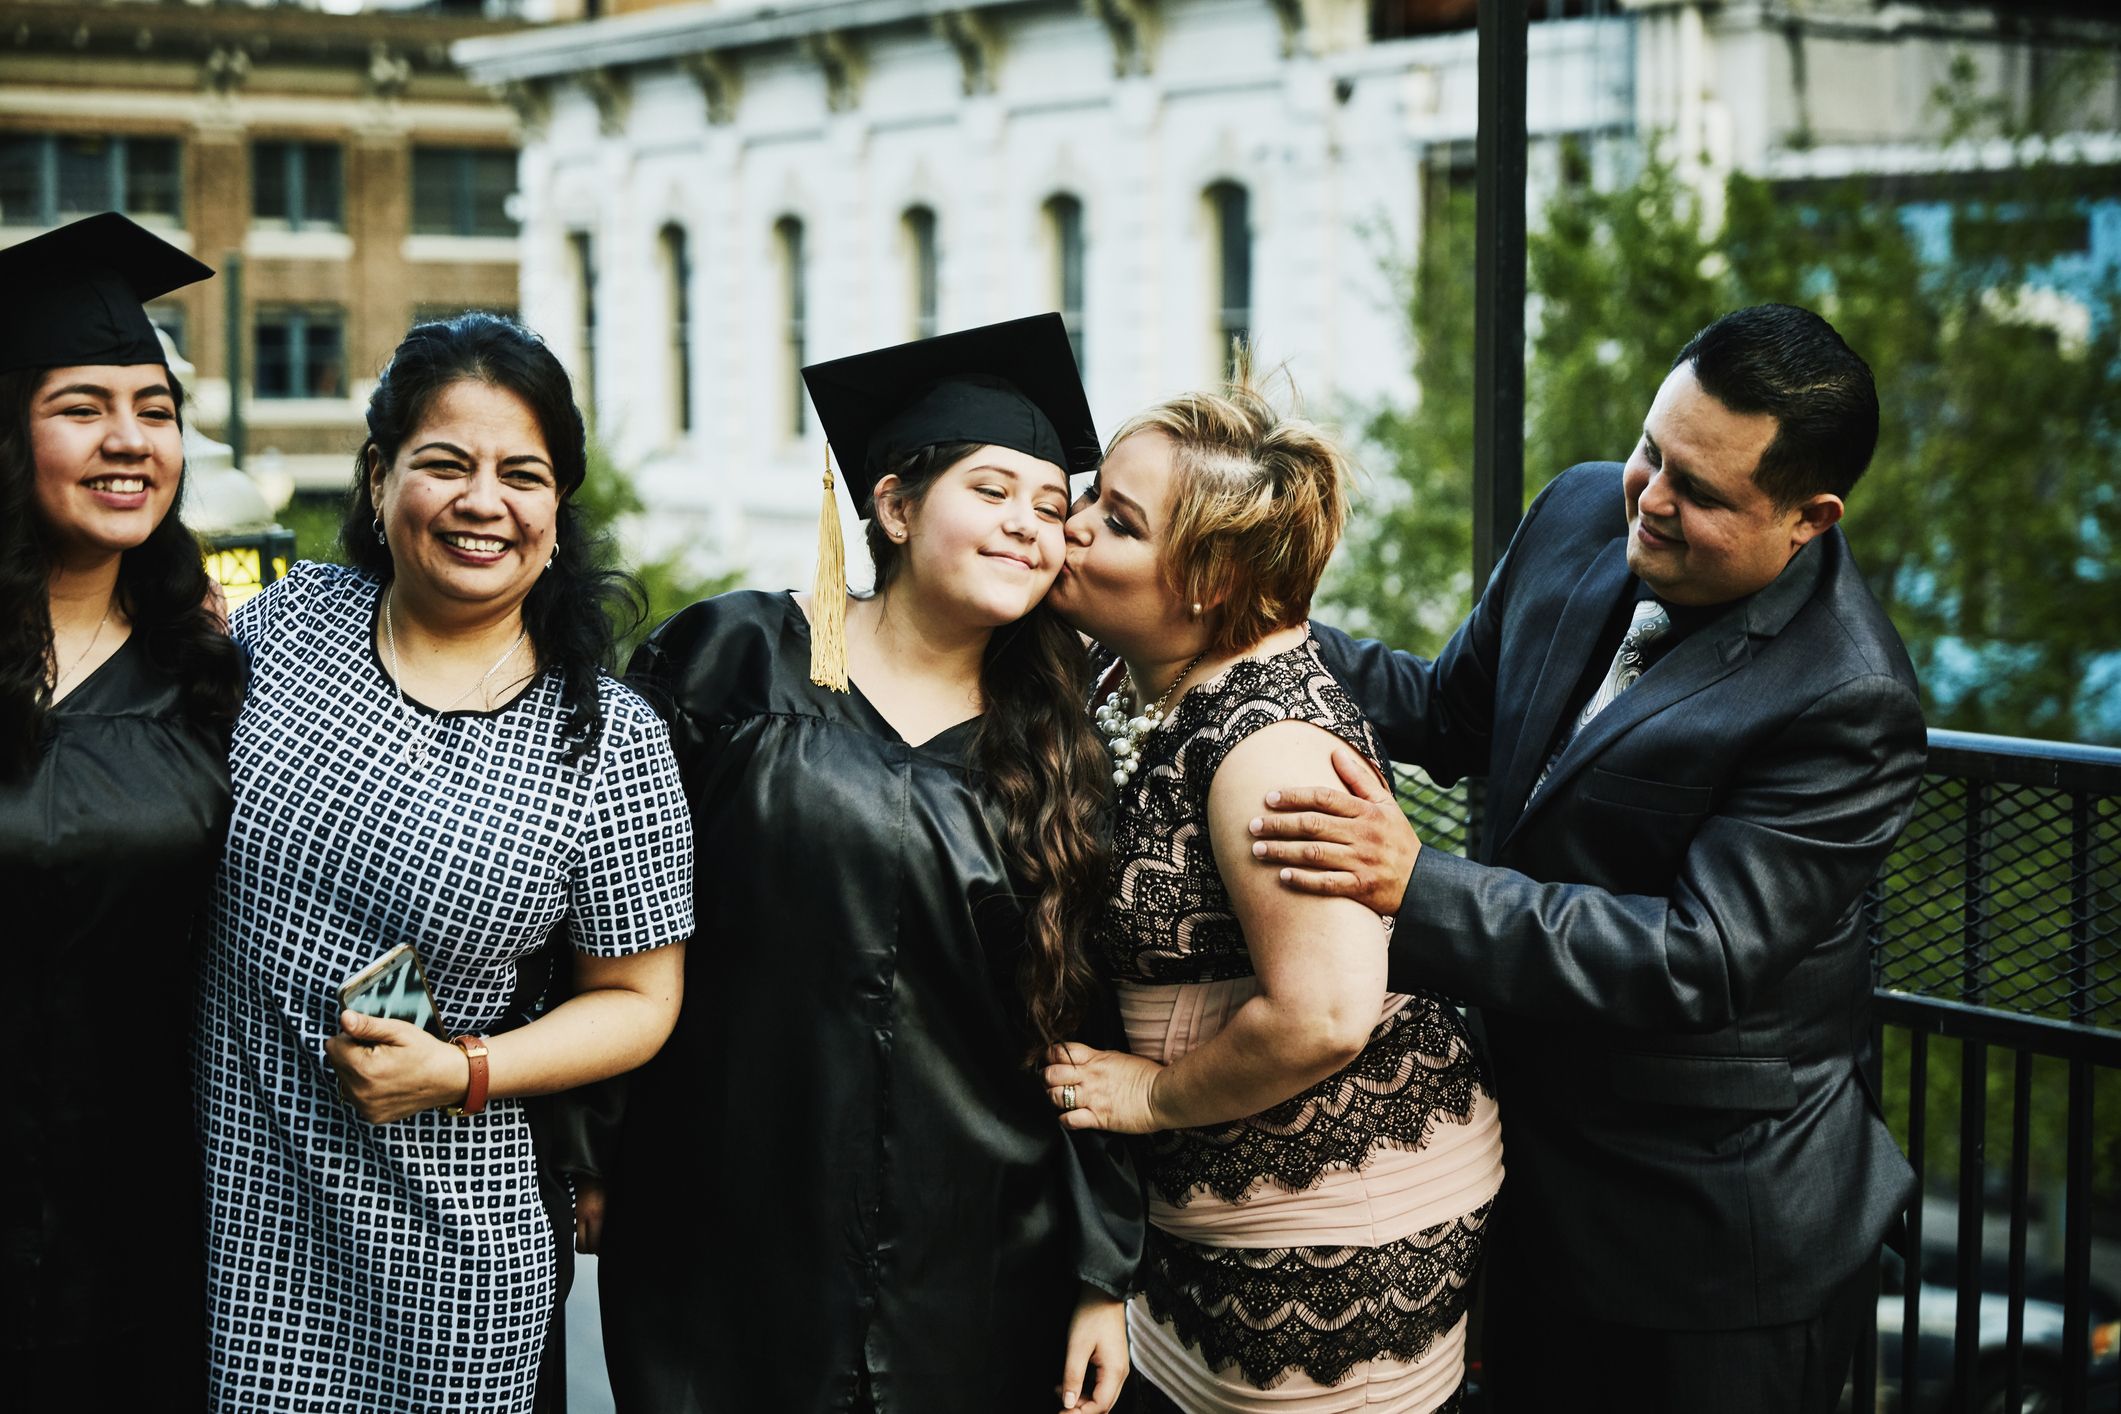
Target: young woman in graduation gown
839,1186
117,686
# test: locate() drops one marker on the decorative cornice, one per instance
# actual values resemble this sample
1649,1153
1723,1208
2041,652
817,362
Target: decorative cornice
388,74
976,41
612,93
720,83
1290,13
224,69
531,100
672,32
1132,26
840,56
286,34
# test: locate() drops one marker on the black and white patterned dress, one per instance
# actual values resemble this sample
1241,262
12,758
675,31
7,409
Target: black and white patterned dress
406,1266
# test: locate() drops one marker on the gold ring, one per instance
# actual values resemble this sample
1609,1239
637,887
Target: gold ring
1067,1097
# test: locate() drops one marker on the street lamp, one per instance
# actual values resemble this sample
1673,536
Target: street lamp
245,549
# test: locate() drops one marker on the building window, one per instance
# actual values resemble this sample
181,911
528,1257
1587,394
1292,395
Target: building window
296,186
168,316
1064,237
462,191
585,361
1230,225
788,239
48,179
677,277
921,269
301,353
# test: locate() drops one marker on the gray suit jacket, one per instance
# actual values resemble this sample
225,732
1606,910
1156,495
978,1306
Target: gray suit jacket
1666,942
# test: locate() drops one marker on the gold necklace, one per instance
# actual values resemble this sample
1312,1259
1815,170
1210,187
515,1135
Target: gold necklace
93,640
1124,734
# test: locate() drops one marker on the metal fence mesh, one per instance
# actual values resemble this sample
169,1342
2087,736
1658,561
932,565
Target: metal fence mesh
1999,893
2007,896
1443,817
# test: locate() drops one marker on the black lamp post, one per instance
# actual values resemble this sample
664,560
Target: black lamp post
243,562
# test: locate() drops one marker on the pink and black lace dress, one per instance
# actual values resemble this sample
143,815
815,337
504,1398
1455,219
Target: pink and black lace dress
1321,1249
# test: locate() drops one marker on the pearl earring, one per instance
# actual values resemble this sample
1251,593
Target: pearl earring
1196,608
379,532
554,555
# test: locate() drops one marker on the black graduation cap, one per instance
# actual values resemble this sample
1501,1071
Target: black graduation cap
1012,384
74,295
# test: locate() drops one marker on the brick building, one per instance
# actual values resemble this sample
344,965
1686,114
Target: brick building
358,175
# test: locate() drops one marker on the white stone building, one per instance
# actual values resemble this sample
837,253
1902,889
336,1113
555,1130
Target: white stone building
714,194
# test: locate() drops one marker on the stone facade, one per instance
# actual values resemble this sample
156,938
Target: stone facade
218,83
792,179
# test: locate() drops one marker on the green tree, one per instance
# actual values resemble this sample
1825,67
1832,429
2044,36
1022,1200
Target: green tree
607,499
1988,522
1620,280
1404,572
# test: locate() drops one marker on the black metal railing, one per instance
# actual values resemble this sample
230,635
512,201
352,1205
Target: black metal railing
1995,928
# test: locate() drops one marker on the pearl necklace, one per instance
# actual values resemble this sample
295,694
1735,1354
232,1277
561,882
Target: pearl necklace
1123,734
423,732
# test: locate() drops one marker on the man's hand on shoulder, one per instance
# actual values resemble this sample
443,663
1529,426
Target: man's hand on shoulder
1347,844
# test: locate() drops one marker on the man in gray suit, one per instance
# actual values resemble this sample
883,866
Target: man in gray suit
1700,736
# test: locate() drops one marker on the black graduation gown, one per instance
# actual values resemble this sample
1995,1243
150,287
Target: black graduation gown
840,1161
106,851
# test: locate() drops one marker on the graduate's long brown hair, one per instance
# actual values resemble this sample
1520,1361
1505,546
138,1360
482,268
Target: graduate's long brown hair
1047,767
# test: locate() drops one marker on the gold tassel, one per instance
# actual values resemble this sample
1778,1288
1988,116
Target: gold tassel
828,596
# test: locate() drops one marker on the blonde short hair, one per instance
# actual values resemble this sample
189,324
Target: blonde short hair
1258,502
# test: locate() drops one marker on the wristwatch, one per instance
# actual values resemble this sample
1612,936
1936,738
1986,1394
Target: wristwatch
474,1048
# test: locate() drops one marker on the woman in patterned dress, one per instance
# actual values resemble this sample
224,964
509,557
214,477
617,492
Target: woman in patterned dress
430,754
1325,1151
117,689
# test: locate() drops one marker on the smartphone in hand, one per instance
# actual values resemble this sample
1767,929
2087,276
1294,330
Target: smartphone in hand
393,986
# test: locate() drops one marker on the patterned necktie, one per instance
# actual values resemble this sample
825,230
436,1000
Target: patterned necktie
1649,624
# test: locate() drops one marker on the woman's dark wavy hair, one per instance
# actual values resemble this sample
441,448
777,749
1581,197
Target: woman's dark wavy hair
1046,765
579,608
162,588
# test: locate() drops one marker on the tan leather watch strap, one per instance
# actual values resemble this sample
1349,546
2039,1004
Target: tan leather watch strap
474,1048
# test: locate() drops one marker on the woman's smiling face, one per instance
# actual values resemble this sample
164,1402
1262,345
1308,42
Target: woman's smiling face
1113,587
469,502
109,452
986,537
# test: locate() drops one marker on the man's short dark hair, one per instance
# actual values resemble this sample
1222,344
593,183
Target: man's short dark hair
1790,364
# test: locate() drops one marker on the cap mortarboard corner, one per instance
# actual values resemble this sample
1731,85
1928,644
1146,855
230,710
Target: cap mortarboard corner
1012,384
78,294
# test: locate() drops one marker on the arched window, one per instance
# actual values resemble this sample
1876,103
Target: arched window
922,268
585,362
677,290
1064,241
788,242
1230,231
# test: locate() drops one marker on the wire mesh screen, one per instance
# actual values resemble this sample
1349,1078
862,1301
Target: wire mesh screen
1446,818
2001,893
2005,894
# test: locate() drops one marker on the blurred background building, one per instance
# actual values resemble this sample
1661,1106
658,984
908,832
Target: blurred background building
692,199
713,194
360,177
